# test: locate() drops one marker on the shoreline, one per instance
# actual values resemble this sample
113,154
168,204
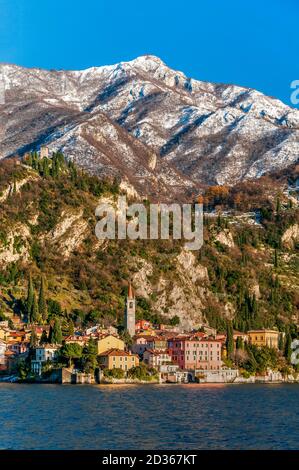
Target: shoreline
145,383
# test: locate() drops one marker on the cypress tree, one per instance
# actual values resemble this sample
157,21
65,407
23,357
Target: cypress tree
278,205
34,312
33,339
29,301
229,339
71,328
55,333
42,304
281,342
44,337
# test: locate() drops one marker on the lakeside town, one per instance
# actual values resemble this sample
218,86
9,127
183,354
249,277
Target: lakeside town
84,334
141,353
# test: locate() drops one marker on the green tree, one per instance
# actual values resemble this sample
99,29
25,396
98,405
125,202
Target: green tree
29,301
55,335
239,343
174,321
34,311
126,337
44,337
14,186
116,373
278,205
33,339
281,342
229,339
89,356
42,304
71,351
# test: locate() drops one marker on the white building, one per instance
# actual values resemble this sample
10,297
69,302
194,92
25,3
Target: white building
3,347
216,376
42,355
156,358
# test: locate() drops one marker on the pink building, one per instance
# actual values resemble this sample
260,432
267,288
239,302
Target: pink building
196,353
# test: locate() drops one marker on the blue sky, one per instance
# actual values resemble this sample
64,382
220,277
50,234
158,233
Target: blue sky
252,43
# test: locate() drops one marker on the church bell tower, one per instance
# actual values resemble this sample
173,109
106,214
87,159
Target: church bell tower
130,312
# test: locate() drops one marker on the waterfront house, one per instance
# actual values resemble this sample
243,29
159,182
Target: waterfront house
106,342
195,353
264,337
118,359
155,358
45,353
171,373
224,375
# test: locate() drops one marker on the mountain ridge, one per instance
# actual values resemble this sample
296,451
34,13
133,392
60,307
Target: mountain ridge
205,133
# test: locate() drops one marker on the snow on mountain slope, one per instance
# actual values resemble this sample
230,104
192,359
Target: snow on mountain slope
113,119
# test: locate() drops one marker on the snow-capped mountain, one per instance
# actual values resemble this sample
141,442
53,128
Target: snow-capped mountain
160,130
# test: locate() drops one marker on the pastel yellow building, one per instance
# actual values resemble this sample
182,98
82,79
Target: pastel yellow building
110,342
264,338
117,359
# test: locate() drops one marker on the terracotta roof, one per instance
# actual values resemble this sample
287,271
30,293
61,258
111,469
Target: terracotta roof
192,338
263,330
105,335
157,352
117,352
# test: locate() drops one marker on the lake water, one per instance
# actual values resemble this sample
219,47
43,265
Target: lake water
149,417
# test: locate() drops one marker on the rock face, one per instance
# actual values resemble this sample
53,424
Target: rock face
290,236
164,132
183,296
16,245
69,233
225,238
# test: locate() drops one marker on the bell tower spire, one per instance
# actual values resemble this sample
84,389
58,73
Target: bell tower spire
130,311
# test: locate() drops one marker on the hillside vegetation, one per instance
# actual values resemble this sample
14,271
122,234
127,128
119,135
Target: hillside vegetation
247,270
